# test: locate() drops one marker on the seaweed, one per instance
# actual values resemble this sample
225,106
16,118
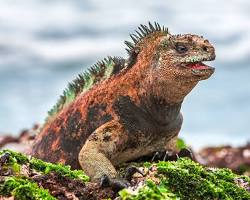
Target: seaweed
190,180
186,179
63,170
150,191
180,144
16,159
170,180
23,185
22,189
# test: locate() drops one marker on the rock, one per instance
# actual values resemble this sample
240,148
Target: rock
22,142
235,158
30,178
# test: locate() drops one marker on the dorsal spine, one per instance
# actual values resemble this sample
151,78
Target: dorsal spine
98,72
104,69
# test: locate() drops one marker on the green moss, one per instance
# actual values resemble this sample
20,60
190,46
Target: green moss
180,144
185,179
150,191
147,164
63,170
23,189
17,159
182,179
192,181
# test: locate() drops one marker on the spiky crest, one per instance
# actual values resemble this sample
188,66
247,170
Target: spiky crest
100,71
140,34
106,68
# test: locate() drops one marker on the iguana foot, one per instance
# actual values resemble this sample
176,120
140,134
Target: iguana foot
115,183
130,171
186,153
172,156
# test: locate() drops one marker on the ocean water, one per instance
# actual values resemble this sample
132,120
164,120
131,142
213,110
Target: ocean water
45,44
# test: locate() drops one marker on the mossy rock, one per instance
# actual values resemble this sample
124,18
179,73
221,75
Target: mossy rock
20,174
23,189
182,179
186,179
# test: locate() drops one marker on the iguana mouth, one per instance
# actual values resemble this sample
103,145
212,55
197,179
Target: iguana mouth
199,67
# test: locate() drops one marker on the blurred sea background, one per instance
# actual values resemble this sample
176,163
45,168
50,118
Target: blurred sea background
44,44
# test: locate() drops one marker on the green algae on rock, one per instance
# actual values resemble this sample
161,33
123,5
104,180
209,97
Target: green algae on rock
15,159
165,180
150,191
185,179
22,176
23,189
180,144
193,181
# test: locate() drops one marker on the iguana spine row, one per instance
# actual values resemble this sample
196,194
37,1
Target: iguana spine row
105,68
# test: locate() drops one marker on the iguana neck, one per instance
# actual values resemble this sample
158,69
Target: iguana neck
164,103
162,96
162,112
172,92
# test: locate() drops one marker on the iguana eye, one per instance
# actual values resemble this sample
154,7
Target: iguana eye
181,48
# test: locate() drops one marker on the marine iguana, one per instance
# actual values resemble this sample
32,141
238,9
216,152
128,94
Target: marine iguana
122,109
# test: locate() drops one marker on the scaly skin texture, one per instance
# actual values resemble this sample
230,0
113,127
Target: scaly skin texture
133,111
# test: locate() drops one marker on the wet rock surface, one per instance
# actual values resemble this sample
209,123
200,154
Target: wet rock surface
66,188
18,169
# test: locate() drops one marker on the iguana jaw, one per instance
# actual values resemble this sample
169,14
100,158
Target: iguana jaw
200,68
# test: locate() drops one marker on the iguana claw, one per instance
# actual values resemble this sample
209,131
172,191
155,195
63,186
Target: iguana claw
186,153
130,171
115,183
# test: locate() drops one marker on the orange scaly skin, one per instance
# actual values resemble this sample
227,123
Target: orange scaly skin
135,111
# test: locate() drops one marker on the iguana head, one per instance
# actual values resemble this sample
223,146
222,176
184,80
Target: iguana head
182,57
175,61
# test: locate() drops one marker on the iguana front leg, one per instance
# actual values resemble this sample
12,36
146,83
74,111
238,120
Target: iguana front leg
102,145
